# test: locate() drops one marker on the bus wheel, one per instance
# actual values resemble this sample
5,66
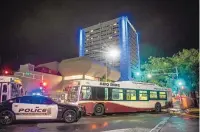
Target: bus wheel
158,107
99,110
6,117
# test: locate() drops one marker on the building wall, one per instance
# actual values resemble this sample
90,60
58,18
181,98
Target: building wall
134,49
118,33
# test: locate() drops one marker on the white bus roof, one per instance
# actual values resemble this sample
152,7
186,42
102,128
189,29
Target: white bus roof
7,78
124,84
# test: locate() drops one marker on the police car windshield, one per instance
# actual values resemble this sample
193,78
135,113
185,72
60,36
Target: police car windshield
73,94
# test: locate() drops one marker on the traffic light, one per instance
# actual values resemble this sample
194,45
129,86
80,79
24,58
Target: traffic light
43,87
6,72
43,84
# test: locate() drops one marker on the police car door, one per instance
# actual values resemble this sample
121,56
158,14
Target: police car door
23,108
51,106
41,109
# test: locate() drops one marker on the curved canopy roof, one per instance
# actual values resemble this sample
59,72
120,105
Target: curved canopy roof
86,66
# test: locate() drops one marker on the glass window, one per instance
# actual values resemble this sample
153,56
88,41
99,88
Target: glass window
15,100
101,93
5,88
117,94
37,100
86,93
153,95
130,95
162,95
14,92
143,95
26,100
47,101
4,98
22,91
73,94
106,93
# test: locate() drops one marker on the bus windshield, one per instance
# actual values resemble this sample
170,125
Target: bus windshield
73,94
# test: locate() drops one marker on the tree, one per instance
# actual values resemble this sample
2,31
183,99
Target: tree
187,63
103,79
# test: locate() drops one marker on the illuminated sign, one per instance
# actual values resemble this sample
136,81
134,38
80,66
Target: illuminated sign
89,77
109,84
73,77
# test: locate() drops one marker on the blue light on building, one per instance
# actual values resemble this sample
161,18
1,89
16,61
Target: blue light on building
124,58
138,50
81,43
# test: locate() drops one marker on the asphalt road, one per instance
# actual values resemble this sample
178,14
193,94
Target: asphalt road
137,122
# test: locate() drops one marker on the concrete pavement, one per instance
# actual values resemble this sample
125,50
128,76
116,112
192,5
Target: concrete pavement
136,122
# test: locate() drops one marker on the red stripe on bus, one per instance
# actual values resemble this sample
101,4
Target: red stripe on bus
112,107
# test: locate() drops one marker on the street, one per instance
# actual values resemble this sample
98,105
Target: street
136,122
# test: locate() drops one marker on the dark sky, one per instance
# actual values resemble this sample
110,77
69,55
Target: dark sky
39,31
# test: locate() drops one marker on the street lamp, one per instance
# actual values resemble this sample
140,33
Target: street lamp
114,53
138,73
111,53
180,83
149,75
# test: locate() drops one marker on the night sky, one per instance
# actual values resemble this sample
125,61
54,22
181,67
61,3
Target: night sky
39,31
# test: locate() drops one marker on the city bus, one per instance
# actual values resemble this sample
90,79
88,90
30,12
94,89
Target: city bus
99,98
10,87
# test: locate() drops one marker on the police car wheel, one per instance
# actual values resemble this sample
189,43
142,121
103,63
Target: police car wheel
70,116
6,117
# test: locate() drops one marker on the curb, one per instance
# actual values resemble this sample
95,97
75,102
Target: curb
185,114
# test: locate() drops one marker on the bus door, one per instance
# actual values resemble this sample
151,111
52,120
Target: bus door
4,92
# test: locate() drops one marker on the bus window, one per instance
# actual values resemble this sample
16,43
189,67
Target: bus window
143,95
106,93
162,95
14,91
5,88
102,93
130,95
153,95
86,93
117,94
4,98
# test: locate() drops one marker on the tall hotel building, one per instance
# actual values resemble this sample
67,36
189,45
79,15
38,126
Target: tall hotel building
97,40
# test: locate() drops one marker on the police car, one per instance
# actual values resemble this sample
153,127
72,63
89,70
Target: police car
36,108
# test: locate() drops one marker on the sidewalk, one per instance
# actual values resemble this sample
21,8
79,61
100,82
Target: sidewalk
191,112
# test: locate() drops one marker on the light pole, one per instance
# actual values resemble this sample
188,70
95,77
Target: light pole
111,53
